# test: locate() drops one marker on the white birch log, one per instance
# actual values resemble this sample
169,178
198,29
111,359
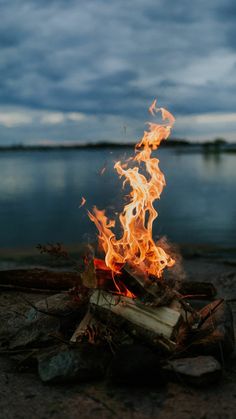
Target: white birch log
158,323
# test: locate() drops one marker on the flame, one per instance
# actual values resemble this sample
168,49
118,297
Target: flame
83,201
136,220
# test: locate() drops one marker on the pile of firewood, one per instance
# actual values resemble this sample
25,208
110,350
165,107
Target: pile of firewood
121,328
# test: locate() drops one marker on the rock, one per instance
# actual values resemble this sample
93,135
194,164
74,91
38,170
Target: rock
10,323
17,329
135,364
35,333
82,363
50,316
215,334
198,371
60,305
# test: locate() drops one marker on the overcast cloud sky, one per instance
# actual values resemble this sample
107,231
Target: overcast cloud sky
88,70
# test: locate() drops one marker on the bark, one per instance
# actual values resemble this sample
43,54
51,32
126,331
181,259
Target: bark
39,279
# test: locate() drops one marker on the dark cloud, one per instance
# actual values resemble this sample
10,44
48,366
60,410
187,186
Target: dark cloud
111,58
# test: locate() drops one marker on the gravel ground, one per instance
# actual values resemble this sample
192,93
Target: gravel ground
22,395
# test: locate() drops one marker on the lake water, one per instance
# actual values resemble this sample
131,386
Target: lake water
40,194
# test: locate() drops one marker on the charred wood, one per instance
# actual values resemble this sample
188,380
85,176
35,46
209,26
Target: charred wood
146,289
215,332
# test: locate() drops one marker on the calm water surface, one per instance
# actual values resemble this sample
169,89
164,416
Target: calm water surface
40,194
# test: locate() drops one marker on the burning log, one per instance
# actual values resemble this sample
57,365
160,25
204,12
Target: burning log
156,325
149,291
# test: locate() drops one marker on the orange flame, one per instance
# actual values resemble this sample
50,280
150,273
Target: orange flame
136,244
83,201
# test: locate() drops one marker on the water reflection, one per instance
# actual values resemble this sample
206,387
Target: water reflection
40,194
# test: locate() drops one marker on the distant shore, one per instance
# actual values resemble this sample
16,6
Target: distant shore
215,146
30,257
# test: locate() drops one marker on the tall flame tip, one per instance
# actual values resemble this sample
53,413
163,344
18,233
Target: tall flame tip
136,220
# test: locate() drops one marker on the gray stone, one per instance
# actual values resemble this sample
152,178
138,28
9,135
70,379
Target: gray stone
60,305
199,371
84,362
35,332
38,325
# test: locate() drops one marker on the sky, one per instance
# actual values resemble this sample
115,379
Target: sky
87,70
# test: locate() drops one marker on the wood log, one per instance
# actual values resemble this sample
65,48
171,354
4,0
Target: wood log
197,290
150,291
39,279
157,325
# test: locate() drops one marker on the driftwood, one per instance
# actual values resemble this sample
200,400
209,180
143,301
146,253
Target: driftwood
38,279
156,325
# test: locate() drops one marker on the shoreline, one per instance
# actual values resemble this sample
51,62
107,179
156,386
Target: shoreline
24,257
180,145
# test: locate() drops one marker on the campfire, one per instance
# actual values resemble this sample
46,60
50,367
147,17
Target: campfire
128,314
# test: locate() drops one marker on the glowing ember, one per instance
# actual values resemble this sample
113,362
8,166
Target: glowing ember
136,245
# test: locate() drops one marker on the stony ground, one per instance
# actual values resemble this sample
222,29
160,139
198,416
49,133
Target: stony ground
22,395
